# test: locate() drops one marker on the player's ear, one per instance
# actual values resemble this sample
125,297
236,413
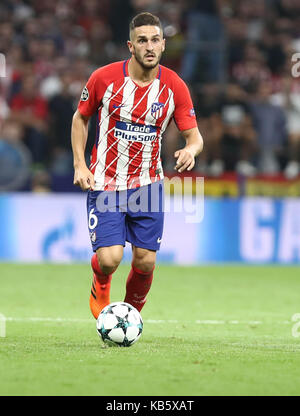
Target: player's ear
163,45
130,47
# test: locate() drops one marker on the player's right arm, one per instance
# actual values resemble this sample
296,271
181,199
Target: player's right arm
90,100
83,177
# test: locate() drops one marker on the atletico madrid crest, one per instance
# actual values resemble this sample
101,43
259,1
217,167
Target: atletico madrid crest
157,110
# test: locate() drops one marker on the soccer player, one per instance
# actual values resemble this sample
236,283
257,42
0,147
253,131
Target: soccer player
135,100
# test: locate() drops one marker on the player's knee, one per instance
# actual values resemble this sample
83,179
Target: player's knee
109,262
108,266
144,262
145,267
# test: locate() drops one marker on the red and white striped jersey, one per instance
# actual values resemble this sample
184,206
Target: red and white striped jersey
130,124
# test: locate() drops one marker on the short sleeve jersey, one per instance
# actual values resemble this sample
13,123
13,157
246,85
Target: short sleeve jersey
130,123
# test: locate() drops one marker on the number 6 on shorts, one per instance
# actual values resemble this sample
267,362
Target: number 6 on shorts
93,220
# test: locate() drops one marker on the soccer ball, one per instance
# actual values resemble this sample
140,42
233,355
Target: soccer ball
119,324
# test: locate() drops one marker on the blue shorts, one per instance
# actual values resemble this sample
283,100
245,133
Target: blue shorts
135,215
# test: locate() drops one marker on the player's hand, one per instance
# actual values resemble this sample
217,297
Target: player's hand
84,178
185,160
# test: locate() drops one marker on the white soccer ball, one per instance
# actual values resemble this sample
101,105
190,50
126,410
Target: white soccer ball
119,324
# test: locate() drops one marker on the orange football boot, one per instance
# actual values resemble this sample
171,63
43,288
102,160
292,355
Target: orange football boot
100,291
100,296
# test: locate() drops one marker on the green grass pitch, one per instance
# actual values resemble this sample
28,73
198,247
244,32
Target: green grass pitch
211,330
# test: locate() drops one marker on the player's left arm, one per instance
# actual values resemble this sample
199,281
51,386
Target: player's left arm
194,145
185,119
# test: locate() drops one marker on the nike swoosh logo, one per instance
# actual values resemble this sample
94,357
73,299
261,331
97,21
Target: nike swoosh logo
118,106
159,240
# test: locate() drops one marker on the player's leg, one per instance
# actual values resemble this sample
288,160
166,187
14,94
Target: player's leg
107,233
144,231
140,276
104,262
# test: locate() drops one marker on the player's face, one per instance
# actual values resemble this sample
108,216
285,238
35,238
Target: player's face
147,45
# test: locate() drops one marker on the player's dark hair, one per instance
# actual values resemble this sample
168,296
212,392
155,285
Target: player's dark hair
144,19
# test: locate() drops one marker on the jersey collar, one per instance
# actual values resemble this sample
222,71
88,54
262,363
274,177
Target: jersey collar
126,74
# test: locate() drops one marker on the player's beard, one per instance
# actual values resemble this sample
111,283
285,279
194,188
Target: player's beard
143,64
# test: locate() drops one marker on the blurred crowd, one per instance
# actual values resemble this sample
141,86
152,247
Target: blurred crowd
237,56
